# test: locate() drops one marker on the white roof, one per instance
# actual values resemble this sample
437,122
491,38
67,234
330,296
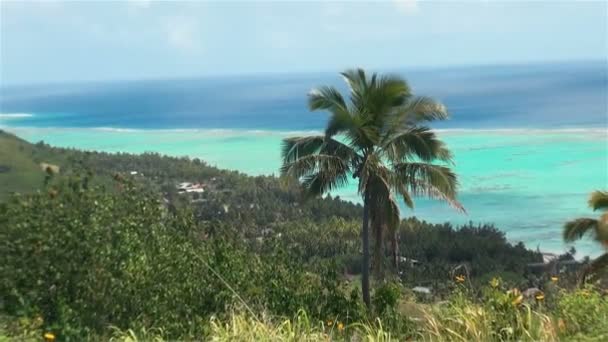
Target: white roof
422,289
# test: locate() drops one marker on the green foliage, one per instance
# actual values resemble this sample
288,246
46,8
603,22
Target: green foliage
438,248
86,259
385,297
582,314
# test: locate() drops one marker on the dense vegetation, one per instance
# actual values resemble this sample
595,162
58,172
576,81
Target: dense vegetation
95,252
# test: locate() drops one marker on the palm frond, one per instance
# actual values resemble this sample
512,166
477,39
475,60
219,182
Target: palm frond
357,83
420,177
341,150
393,215
415,142
320,183
326,98
296,147
429,191
388,93
599,200
313,163
576,229
371,170
318,173
402,190
341,122
419,109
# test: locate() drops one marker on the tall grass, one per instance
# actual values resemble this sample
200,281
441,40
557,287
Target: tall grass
579,315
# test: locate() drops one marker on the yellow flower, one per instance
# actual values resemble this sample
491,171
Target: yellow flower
554,279
460,279
49,337
330,323
518,300
495,282
340,326
540,296
514,291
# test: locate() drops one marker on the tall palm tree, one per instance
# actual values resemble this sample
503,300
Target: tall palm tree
374,138
597,228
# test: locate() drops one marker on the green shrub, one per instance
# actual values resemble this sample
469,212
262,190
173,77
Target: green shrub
386,297
582,313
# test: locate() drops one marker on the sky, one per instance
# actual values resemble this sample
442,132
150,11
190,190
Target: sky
55,41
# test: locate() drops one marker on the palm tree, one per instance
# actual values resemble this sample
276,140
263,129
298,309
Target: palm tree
374,138
597,228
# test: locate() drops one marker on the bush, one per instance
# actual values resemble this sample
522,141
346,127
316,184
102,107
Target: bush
385,297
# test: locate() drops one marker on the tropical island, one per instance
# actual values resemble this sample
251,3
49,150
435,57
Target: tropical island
103,246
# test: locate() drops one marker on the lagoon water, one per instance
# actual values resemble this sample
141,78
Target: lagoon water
530,142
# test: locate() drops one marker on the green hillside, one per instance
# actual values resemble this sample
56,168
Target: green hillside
20,164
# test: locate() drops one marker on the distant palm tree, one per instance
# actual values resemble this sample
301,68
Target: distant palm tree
376,139
597,228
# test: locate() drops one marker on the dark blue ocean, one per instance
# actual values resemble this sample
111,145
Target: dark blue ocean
516,96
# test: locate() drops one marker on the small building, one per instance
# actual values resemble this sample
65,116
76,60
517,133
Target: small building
187,187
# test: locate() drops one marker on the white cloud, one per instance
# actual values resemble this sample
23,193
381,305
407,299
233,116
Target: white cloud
182,33
406,6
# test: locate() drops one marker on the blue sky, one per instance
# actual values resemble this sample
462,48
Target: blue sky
76,41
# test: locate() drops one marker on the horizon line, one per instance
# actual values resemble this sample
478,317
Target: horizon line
385,69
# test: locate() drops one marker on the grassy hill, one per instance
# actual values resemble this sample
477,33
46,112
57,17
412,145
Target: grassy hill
20,164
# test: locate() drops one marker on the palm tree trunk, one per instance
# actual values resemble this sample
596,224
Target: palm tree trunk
378,228
365,265
395,250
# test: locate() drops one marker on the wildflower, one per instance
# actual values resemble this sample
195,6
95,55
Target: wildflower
460,279
340,326
554,279
540,296
49,337
514,291
495,282
518,300
330,323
